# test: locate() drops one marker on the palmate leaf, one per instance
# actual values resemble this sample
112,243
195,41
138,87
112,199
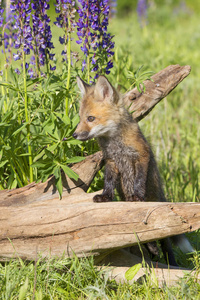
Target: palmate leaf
75,159
20,128
30,82
74,142
69,172
58,178
7,85
75,121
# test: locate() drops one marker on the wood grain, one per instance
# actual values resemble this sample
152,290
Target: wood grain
89,228
160,85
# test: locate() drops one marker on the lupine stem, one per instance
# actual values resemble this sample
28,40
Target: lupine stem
6,71
37,58
27,118
88,47
68,66
47,62
88,68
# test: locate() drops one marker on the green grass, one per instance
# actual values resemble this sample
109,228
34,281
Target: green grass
64,278
174,132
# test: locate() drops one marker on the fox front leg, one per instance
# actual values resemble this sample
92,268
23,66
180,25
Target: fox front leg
133,182
111,174
140,181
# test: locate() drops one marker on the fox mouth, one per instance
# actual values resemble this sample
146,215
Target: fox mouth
84,136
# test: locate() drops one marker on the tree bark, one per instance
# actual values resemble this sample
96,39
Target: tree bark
160,85
56,226
37,192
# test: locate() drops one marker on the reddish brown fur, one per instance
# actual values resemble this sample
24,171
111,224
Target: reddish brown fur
130,166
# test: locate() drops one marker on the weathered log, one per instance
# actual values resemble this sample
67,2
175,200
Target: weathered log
86,170
56,227
160,85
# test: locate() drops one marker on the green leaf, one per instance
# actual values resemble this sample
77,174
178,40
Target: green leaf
6,84
33,81
58,182
131,272
74,142
38,164
19,129
24,154
52,147
69,172
63,118
23,290
3,163
75,121
38,156
49,154
75,159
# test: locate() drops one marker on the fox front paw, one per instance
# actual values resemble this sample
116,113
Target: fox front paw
101,198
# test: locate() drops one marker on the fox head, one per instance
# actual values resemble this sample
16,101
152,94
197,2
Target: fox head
100,110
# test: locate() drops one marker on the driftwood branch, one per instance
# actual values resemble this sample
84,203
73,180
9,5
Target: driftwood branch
89,228
161,85
35,192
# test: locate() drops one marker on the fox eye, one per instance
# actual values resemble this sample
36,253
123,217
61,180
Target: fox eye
91,119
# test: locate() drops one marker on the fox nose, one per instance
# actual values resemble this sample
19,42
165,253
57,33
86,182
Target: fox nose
75,135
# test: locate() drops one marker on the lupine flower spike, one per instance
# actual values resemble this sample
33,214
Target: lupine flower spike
42,35
96,43
142,12
21,13
66,20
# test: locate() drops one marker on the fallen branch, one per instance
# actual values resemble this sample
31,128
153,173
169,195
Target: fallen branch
89,228
38,192
161,85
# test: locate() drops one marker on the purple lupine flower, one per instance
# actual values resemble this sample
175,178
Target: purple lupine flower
31,73
142,12
41,32
21,14
65,20
66,10
17,56
17,71
113,8
92,33
8,33
1,17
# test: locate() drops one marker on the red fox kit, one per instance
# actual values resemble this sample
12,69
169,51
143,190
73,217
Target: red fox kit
130,166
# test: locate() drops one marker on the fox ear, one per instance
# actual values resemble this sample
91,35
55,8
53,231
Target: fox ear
104,89
83,86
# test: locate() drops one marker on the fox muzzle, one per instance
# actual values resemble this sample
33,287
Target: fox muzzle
82,136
